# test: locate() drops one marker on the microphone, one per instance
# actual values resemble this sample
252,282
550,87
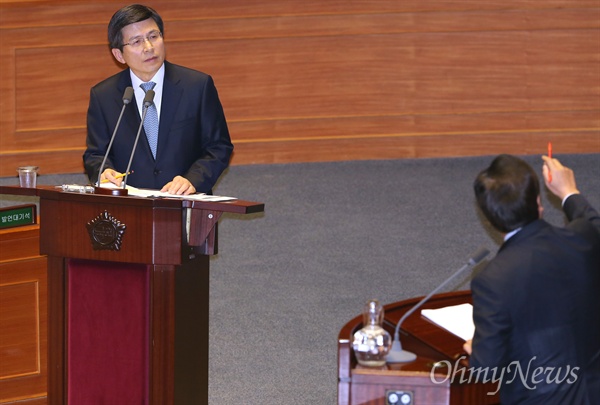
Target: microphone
148,101
127,97
396,354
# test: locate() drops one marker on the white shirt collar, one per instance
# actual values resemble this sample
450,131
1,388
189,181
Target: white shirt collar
158,78
511,234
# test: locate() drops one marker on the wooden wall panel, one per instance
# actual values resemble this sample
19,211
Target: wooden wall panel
19,312
23,317
314,80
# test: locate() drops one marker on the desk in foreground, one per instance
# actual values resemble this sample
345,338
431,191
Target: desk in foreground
435,349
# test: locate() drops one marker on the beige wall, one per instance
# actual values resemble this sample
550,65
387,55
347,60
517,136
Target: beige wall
315,80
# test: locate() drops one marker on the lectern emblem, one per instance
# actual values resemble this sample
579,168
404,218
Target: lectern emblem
106,232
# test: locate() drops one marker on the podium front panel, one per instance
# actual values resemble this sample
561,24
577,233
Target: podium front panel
107,228
108,323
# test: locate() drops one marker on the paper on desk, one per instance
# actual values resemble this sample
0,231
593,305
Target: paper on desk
144,192
457,319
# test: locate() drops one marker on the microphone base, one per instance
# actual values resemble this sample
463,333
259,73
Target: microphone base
111,191
401,356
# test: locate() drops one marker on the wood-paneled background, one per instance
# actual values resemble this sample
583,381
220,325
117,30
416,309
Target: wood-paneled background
316,80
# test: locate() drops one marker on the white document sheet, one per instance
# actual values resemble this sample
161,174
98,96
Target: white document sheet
144,192
457,319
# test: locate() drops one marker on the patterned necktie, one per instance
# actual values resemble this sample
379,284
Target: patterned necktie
151,121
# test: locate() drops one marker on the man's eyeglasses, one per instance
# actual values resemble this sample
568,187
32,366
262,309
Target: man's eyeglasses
137,42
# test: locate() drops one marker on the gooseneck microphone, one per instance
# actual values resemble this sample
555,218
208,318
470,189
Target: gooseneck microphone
396,354
127,97
148,101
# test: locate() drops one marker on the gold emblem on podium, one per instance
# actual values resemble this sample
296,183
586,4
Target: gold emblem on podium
106,232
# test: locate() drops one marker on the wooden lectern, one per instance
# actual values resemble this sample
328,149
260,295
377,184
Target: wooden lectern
435,348
128,286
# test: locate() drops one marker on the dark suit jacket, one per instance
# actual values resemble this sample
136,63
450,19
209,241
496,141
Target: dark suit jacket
193,139
538,303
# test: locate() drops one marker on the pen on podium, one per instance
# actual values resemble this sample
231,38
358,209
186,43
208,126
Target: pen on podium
118,176
550,156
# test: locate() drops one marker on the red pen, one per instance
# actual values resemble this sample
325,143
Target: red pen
550,156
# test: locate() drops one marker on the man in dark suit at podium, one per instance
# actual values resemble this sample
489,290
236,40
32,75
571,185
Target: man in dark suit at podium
536,305
187,146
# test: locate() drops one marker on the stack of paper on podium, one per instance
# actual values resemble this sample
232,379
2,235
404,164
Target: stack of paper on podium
457,319
143,192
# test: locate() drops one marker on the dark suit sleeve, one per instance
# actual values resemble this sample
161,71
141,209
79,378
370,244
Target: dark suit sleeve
492,319
216,143
97,139
577,207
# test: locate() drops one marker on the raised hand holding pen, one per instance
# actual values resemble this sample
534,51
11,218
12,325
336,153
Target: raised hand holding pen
559,179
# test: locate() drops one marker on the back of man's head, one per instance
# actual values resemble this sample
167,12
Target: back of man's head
507,193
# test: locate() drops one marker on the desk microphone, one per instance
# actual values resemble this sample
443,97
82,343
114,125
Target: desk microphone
396,354
148,101
127,96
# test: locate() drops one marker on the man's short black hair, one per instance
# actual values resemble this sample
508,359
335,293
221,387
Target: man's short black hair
129,15
507,193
